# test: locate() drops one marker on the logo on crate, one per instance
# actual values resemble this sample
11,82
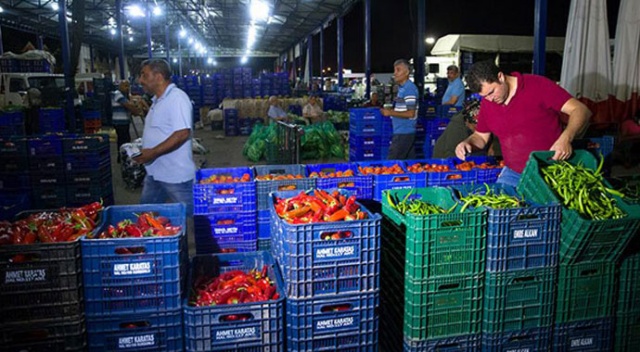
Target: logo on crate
138,268
26,276
519,234
339,252
582,342
235,334
137,341
519,350
225,231
225,200
336,323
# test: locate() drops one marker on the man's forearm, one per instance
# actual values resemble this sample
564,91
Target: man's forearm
409,114
172,143
476,141
578,123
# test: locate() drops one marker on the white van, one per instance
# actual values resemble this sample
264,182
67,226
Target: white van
14,86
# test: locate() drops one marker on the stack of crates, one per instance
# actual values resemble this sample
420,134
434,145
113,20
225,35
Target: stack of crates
231,122
15,181
224,211
332,285
252,326
87,167
369,135
334,102
46,167
51,120
92,121
443,256
41,294
288,178
521,272
434,128
12,123
627,338
588,251
209,90
133,286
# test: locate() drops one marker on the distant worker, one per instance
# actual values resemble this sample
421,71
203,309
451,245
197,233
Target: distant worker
403,114
275,112
454,95
524,112
312,110
373,102
122,108
167,139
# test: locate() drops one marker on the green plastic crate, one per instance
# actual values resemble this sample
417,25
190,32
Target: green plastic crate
586,291
627,337
629,294
582,240
440,245
519,300
443,307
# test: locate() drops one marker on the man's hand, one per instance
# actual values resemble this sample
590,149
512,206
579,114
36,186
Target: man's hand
146,156
386,112
562,148
463,149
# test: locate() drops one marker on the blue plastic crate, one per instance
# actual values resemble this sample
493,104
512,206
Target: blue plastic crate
83,144
596,145
208,329
117,282
11,118
12,203
101,173
66,335
593,335
51,120
160,331
14,181
365,121
87,161
359,185
394,181
263,188
230,114
220,227
518,238
328,258
444,178
436,126
343,322
366,142
447,111
366,154
264,225
221,197
462,343
227,247
12,130
484,174
80,194
46,163
48,197
46,179
531,340
47,145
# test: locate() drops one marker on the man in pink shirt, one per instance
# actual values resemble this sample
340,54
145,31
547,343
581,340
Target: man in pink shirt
523,111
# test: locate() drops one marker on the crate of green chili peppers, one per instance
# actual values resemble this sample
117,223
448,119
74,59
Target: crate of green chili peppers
597,223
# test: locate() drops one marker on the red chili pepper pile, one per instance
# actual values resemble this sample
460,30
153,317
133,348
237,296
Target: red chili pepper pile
319,207
65,225
147,225
234,287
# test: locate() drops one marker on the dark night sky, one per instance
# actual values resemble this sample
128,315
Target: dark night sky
394,23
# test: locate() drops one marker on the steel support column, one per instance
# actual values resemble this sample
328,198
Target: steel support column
1,46
91,57
310,59
367,47
166,41
149,52
340,33
321,57
120,38
179,58
540,36
418,62
66,63
39,43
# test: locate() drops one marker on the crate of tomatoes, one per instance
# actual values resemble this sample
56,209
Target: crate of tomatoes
134,262
327,243
40,264
387,175
271,178
235,303
343,176
224,189
441,172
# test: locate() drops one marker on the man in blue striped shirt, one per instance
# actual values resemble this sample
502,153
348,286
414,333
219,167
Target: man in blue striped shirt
404,113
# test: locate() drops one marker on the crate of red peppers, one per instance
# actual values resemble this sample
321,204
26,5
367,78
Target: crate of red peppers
134,262
40,264
326,243
235,303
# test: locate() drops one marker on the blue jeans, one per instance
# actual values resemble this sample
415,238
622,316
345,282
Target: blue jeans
155,192
508,177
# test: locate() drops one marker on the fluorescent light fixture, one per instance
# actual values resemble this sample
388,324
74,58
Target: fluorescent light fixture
190,40
183,33
1,9
135,11
430,40
157,11
244,60
210,61
175,59
130,39
259,10
251,38
54,6
215,63
112,31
